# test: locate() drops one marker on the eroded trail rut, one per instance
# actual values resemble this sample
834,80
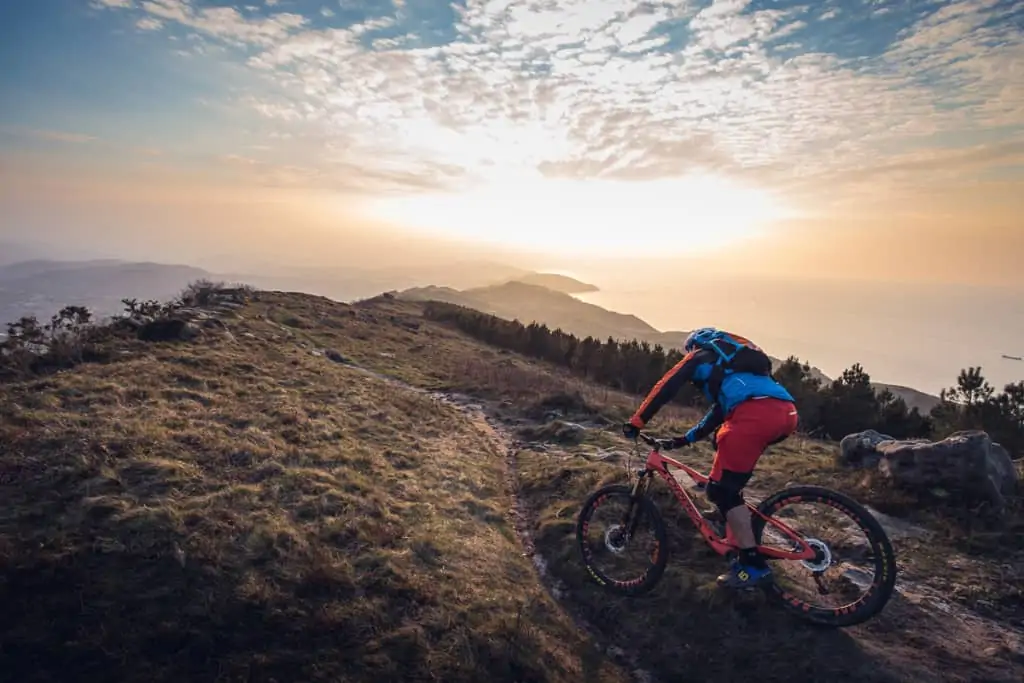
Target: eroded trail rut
523,522
520,514
920,636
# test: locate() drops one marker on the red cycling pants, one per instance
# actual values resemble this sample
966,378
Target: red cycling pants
748,430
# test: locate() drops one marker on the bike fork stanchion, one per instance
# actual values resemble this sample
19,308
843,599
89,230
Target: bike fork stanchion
631,520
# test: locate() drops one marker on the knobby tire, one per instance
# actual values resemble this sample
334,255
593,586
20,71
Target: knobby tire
871,603
649,511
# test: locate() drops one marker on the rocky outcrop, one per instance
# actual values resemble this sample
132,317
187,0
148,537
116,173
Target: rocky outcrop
168,330
966,464
861,449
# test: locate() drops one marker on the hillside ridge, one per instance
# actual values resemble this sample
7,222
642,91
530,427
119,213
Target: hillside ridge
341,491
557,283
556,309
531,302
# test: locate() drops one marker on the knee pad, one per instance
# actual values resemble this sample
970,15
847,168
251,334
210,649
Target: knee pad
728,493
724,496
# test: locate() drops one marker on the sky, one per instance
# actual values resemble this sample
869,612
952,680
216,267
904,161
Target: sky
824,132
640,145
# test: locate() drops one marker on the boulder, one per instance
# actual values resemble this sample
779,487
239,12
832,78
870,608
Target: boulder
1002,469
168,330
860,450
1002,454
966,464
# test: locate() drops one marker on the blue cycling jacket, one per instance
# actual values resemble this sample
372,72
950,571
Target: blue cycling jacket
696,367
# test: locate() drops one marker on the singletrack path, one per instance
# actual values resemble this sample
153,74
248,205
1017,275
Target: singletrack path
919,636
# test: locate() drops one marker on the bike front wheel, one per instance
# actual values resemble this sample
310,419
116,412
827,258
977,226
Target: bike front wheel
853,574
622,540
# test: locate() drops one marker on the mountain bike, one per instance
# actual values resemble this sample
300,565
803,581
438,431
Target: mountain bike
794,556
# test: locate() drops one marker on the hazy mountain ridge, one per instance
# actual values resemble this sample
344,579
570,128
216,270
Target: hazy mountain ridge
558,283
347,283
532,303
41,286
528,303
912,397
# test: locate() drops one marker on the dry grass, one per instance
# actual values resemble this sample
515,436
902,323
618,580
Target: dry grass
246,508
391,337
678,621
250,511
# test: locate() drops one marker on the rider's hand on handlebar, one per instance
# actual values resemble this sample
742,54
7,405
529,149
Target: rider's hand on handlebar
632,432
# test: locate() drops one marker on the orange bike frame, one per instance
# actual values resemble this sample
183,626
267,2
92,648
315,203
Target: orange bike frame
656,462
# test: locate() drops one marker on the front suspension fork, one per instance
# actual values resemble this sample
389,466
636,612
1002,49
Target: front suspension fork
629,520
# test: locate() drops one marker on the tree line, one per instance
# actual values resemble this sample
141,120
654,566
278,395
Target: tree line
828,410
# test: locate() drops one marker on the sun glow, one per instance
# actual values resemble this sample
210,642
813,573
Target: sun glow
593,217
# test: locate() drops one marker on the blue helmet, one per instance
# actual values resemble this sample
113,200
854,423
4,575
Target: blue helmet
699,337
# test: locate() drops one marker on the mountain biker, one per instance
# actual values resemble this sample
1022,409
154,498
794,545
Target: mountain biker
753,410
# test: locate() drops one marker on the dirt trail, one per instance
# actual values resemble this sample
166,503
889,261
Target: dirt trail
920,636
523,521
478,412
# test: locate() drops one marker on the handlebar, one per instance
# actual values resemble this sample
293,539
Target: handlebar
649,440
659,444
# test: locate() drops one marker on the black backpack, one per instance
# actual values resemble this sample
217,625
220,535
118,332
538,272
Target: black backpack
735,354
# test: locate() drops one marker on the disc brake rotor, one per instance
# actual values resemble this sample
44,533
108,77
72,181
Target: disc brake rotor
822,556
613,539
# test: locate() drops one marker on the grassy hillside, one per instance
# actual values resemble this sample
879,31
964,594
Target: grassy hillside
297,494
244,508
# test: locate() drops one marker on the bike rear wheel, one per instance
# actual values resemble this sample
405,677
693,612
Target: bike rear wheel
598,543
848,558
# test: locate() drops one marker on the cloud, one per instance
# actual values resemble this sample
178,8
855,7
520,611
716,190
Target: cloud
431,94
916,168
337,175
225,22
